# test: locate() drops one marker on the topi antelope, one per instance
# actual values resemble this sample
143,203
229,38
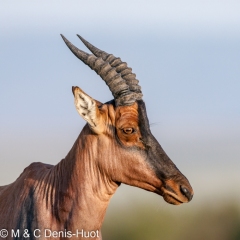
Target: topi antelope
115,146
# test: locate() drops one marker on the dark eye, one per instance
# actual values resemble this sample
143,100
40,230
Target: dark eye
128,130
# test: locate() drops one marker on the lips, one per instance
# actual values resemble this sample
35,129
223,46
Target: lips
171,198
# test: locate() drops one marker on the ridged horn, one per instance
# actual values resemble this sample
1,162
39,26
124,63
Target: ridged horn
116,84
121,67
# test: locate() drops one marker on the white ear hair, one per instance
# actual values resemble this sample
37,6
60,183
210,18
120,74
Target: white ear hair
87,108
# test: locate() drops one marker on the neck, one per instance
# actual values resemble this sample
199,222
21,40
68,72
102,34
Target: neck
82,190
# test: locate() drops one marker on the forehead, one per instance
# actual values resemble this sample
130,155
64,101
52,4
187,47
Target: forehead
127,111
127,114
135,113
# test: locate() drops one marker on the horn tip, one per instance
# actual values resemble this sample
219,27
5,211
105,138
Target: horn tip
64,39
81,38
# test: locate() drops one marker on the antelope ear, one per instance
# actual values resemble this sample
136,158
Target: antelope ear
87,107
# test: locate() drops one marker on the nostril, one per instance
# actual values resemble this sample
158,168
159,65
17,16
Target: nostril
186,193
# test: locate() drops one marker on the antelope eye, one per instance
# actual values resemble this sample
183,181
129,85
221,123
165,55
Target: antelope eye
128,130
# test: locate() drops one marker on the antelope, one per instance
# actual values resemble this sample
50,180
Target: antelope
115,146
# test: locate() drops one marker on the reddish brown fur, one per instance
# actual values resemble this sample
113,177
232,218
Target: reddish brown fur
75,193
128,118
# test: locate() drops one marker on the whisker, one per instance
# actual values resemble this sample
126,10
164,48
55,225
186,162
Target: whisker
154,124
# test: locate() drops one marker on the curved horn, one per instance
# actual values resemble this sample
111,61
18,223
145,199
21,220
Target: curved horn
121,67
116,84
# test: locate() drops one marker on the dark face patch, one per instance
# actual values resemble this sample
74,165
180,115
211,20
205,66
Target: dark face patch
155,155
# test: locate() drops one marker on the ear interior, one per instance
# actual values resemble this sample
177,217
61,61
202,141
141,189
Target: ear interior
87,107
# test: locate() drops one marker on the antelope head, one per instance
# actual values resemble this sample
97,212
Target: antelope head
127,152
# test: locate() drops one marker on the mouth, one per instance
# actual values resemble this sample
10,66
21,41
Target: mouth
171,198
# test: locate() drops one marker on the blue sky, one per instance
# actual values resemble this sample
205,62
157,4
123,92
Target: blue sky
186,55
